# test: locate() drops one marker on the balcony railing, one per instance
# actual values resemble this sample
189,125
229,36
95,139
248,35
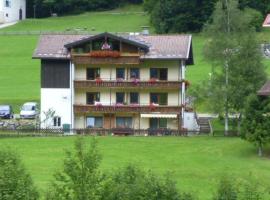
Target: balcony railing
83,84
124,58
126,109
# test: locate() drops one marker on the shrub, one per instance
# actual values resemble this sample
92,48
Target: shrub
82,180
15,182
226,190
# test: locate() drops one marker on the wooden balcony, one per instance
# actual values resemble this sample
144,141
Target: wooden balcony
85,84
80,109
130,59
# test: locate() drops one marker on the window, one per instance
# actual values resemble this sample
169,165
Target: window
94,122
159,73
134,97
120,97
57,121
93,73
135,73
120,73
158,123
7,3
91,97
123,122
159,98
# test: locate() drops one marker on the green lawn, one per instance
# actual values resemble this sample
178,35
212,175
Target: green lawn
126,19
20,75
196,162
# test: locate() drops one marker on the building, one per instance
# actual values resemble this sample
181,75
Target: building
12,10
266,22
265,90
116,82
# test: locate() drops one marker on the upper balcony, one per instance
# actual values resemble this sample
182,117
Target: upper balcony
128,84
106,57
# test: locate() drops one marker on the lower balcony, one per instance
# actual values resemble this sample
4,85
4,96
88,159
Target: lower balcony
126,109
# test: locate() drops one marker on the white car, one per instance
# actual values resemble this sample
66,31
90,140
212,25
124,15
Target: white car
29,110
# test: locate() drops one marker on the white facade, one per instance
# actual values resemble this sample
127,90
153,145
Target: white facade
12,10
58,100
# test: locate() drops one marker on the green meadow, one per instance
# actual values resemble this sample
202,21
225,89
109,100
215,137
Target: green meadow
196,163
20,74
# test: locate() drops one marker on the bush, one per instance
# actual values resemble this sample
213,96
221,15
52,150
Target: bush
15,183
134,183
229,190
81,180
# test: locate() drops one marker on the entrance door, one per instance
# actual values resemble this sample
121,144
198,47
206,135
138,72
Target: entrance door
20,14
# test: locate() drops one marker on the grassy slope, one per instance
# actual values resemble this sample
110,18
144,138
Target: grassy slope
196,162
20,80
19,74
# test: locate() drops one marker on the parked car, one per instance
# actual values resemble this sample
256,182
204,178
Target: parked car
29,110
6,112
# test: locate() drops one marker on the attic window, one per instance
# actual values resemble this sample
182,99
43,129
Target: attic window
7,3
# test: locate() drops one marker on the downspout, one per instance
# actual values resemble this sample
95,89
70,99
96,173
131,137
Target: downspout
183,91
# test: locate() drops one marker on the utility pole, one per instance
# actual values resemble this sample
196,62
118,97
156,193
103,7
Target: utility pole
34,11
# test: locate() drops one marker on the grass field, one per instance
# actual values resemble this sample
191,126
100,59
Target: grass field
196,162
20,75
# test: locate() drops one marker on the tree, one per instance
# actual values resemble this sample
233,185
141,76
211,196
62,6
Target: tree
234,53
261,5
256,124
174,16
15,182
80,178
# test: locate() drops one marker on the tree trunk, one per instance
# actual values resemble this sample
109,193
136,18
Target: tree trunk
226,129
239,122
260,150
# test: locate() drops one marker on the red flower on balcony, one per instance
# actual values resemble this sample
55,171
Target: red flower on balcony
152,106
135,81
99,80
153,80
105,54
119,80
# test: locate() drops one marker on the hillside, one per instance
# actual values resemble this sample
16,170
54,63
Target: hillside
20,79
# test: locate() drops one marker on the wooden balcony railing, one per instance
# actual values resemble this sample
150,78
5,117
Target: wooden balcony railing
126,109
131,58
84,84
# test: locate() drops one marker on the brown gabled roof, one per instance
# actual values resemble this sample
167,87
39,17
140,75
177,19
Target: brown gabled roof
265,90
159,46
266,22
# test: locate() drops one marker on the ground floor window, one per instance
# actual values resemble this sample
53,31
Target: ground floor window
158,123
57,121
123,122
94,122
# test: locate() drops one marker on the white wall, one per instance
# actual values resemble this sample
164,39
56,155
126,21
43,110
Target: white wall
11,14
190,121
58,100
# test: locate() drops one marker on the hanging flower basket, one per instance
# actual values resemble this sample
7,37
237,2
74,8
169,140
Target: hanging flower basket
105,54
